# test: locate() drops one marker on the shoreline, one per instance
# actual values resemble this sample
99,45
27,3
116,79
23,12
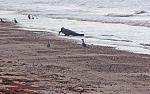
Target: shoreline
78,42
28,66
119,42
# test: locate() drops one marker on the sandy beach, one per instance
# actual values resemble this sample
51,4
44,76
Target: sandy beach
27,66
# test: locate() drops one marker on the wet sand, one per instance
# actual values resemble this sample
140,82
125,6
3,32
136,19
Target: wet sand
27,66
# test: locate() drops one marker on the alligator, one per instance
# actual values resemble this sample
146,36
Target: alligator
68,32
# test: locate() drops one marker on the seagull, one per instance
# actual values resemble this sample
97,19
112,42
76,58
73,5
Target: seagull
32,17
2,20
15,20
48,45
83,43
29,16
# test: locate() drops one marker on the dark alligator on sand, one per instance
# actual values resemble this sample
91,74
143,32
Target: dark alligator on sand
68,32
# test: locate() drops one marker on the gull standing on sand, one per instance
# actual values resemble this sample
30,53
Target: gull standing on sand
48,45
2,20
29,16
15,20
83,43
32,17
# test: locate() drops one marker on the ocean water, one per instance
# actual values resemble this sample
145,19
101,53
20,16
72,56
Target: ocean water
123,24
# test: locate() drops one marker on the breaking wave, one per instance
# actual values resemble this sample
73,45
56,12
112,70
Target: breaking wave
119,15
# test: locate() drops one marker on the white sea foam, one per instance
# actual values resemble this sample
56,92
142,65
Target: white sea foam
123,24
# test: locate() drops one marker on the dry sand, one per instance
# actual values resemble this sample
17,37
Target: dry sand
27,66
